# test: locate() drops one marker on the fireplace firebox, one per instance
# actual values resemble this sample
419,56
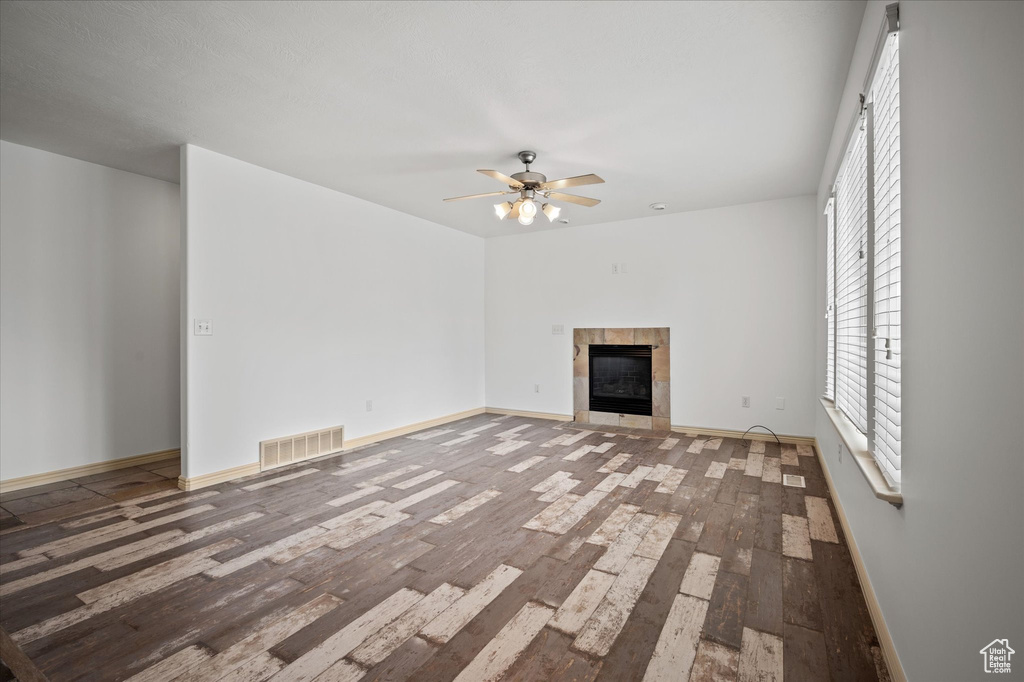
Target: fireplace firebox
620,379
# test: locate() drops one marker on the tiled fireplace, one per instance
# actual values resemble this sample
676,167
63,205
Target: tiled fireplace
619,354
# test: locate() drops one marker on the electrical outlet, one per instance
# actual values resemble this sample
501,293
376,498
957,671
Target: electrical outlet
840,453
204,328
745,401
780,403
623,269
557,329
615,268
536,388
369,406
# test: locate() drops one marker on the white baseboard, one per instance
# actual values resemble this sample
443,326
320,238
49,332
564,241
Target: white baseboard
222,476
752,435
892,659
534,415
32,481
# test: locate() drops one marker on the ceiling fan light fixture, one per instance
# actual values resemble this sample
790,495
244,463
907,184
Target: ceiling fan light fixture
528,209
551,212
502,209
525,219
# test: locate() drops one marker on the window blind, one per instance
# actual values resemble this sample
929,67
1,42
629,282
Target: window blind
884,96
851,282
830,300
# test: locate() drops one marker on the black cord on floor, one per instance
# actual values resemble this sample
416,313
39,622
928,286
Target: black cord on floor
760,426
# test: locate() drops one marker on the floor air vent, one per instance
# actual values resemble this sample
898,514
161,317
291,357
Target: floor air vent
281,451
793,481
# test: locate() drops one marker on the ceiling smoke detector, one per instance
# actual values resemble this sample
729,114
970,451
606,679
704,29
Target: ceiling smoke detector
659,206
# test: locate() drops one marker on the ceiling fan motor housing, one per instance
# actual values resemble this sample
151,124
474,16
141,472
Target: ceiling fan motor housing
529,178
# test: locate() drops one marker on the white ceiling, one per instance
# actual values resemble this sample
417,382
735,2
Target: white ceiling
697,104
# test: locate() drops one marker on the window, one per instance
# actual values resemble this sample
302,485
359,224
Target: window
862,222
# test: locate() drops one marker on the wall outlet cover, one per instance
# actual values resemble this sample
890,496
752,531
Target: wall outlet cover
203,328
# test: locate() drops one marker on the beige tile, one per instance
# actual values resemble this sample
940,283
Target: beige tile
619,336
652,336
604,418
579,335
581,416
580,393
661,424
635,421
662,399
595,336
581,360
660,363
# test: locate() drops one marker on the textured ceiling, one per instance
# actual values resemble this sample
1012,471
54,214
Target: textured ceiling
697,104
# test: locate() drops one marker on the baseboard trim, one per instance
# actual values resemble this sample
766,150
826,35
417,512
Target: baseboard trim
752,435
892,659
534,415
224,475
32,481
409,428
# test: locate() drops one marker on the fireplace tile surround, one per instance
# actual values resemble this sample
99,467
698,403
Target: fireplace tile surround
655,337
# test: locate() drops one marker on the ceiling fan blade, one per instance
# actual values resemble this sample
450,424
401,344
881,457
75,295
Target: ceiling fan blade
501,177
576,181
477,196
572,199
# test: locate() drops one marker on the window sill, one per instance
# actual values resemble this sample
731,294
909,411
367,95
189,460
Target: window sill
857,443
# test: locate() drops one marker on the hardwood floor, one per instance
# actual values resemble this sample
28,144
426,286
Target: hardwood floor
490,548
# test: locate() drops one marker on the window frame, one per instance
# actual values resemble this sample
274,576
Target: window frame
860,442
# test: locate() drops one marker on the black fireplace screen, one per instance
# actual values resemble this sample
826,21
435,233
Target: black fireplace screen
620,379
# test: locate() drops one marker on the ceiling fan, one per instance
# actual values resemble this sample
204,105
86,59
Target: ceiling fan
531,186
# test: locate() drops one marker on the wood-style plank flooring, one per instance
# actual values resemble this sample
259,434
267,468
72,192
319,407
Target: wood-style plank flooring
489,548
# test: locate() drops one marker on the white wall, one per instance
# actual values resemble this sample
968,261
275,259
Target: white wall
319,302
89,308
735,285
947,567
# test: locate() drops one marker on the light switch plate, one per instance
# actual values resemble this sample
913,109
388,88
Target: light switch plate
557,329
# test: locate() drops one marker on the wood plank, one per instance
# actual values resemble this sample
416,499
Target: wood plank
700,576
416,480
261,640
608,531
760,657
448,623
380,646
796,539
621,551
602,628
329,652
677,645
819,519
463,508
502,651
280,479
526,464
671,482
715,663
580,605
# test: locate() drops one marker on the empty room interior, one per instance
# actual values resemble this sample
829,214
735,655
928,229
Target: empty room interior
511,340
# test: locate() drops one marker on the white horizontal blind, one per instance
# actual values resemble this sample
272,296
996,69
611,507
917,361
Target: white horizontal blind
852,282
830,300
885,95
